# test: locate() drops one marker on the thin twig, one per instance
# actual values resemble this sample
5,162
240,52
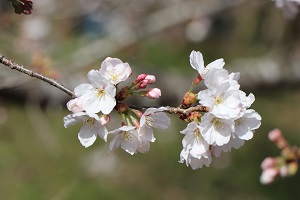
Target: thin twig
175,110
20,68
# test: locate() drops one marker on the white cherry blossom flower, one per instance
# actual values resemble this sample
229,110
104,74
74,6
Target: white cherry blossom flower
195,163
152,118
97,96
222,101
216,131
197,62
127,138
92,126
195,149
245,125
216,77
114,70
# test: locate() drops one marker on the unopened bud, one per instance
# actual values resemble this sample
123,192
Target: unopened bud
104,119
153,93
139,78
151,79
122,94
275,135
188,99
75,105
197,80
121,107
268,163
22,6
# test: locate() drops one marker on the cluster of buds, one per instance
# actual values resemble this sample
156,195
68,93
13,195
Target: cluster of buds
22,6
95,101
284,165
218,117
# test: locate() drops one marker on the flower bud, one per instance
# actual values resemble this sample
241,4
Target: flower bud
188,99
139,78
121,107
268,176
22,6
122,94
153,93
104,119
151,79
268,163
75,105
275,135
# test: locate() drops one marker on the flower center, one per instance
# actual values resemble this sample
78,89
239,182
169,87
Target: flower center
89,121
218,100
239,122
198,134
218,123
149,121
99,93
126,136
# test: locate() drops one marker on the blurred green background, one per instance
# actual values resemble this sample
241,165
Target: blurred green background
40,159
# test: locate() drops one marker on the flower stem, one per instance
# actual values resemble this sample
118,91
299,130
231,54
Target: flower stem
22,69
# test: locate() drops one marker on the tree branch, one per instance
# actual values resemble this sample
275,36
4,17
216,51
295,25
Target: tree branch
20,68
174,110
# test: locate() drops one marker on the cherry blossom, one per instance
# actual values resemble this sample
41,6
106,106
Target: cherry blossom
197,62
152,118
114,70
223,102
216,131
126,137
245,125
195,149
92,126
97,96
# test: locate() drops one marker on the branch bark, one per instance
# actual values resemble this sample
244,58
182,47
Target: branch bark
22,69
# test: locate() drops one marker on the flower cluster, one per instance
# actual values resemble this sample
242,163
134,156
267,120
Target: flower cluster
229,121
95,101
284,165
226,123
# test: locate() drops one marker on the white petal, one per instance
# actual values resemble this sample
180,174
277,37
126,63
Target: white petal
86,136
196,61
84,91
130,147
72,119
114,143
101,131
96,79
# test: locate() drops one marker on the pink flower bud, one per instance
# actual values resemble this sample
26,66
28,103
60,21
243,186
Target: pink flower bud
140,77
268,176
268,163
275,135
151,79
104,119
284,171
75,105
153,93
143,84
22,6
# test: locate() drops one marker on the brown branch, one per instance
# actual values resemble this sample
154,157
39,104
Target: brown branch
174,110
177,110
20,68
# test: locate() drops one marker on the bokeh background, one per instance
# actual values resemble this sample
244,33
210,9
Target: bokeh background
40,159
